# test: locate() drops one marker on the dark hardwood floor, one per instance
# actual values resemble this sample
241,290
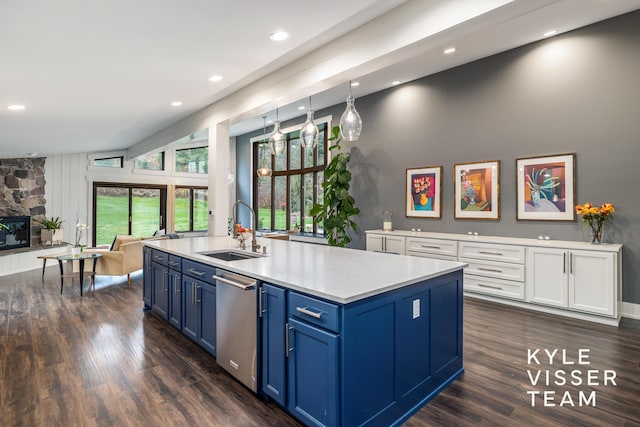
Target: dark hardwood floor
100,361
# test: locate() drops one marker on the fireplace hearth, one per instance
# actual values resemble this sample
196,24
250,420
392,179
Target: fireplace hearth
17,234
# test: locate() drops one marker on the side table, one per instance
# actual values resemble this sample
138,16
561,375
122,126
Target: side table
81,259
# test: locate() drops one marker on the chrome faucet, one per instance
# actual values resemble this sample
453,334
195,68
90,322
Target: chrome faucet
254,242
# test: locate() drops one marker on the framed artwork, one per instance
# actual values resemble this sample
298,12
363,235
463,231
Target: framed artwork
477,190
424,192
545,188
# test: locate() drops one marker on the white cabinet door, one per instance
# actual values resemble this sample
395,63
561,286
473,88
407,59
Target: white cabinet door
394,244
374,242
385,243
591,282
547,276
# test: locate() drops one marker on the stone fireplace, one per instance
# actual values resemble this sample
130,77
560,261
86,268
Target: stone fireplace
22,198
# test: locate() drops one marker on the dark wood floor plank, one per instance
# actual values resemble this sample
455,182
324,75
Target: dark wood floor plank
99,360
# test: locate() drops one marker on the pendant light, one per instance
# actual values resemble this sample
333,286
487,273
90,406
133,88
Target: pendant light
309,132
264,171
277,137
350,122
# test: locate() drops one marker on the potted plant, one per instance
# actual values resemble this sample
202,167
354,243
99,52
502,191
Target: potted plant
338,206
52,231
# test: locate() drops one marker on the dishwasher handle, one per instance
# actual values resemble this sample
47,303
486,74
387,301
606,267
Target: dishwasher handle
239,285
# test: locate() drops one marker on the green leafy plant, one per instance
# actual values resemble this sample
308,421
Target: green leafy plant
51,223
338,206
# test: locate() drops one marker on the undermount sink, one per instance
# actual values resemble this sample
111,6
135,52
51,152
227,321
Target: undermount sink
231,255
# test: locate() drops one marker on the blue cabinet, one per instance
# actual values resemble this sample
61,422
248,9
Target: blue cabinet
372,362
175,298
207,338
199,312
313,374
274,361
160,289
399,350
190,310
147,277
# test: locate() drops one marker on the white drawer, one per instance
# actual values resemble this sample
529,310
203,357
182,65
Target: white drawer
492,252
494,287
432,256
499,270
417,245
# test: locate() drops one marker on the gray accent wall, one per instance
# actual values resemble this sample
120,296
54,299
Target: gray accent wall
578,92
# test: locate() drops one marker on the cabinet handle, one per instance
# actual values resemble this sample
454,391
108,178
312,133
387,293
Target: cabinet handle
198,300
173,263
570,263
489,287
164,280
489,269
261,310
287,339
196,272
384,244
491,253
193,293
430,247
305,310
158,258
564,263
176,278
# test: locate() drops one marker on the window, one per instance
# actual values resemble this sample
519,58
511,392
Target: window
191,212
109,162
135,209
153,162
284,200
192,160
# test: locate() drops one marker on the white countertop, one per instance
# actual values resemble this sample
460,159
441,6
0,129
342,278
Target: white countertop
337,274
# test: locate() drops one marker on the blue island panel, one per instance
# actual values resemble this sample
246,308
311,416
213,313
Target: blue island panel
400,349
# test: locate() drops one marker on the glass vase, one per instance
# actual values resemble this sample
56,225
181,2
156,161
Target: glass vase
597,229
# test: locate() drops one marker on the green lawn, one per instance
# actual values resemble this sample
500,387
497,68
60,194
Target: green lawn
113,211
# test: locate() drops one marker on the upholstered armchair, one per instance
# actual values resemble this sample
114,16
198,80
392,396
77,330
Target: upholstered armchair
124,257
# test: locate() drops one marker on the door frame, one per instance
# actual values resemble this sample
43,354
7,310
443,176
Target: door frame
129,187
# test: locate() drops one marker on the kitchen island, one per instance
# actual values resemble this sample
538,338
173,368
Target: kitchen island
344,337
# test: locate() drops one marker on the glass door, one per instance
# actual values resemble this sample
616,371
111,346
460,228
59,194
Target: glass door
137,210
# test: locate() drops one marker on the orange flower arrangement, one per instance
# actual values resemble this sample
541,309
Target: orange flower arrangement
595,217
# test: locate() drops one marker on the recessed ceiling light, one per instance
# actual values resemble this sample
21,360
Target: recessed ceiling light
279,36
354,84
449,50
16,107
269,122
549,33
301,107
176,103
215,78
395,83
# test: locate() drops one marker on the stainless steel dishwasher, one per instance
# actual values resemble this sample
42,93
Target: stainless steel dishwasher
236,326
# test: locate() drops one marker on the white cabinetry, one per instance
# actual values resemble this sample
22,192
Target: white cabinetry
385,243
494,269
575,279
432,248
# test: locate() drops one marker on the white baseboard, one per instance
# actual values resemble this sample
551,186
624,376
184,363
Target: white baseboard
630,310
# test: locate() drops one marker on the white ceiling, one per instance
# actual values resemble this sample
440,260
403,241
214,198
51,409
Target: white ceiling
100,76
